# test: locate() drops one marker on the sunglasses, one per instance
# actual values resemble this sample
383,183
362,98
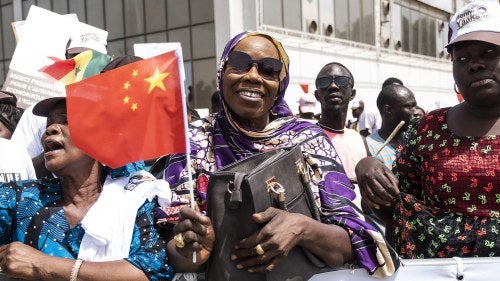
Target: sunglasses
268,68
340,81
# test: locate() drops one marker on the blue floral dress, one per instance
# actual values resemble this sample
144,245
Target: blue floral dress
31,212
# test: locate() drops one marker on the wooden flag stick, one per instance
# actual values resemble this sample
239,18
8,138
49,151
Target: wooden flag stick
391,136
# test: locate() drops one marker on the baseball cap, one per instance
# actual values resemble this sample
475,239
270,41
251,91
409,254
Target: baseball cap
476,21
8,98
42,108
307,103
87,37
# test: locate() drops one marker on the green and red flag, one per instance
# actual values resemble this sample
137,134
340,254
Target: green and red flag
130,113
83,65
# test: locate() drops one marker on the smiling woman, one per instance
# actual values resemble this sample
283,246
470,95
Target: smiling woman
252,80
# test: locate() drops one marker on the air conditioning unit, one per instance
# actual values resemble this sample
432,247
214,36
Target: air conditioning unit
327,29
386,42
398,45
440,25
386,7
312,26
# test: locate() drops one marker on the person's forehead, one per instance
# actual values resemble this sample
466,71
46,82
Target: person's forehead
257,46
333,70
404,95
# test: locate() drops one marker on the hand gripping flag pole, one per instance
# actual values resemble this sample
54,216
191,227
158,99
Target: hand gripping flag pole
178,52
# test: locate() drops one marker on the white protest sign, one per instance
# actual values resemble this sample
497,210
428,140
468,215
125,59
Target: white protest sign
44,34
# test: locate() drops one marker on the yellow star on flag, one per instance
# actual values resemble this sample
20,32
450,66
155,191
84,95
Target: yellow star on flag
135,72
126,85
156,80
126,99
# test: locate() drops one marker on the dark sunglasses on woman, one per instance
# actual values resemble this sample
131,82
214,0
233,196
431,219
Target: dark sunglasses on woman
340,81
268,68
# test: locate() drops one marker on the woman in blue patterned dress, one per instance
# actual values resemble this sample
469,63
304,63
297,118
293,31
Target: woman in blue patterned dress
252,80
90,223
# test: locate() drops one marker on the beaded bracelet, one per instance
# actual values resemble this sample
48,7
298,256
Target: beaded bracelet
75,269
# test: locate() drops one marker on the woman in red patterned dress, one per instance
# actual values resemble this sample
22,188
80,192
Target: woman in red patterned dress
444,200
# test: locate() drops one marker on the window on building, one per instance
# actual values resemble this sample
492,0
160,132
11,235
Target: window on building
292,15
272,13
419,30
354,20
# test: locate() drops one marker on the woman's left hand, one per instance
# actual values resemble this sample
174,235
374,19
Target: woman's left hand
22,261
264,249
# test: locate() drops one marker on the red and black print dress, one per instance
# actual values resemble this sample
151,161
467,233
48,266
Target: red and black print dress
450,193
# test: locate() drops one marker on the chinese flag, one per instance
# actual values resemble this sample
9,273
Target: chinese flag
130,113
83,65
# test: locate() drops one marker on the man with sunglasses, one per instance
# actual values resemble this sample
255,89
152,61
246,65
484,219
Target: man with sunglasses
334,91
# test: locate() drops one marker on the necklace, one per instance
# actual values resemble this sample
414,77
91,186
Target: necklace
341,131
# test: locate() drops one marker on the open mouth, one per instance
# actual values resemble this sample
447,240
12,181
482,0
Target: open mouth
52,146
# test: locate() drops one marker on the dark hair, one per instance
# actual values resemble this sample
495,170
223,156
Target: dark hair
342,66
392,80
386,95
10,115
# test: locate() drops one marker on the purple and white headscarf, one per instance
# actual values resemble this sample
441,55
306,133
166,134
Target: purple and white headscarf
218,140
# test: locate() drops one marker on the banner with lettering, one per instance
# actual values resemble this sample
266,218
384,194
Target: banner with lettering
43,36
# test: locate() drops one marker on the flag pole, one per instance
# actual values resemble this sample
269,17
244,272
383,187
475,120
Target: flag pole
178,53
391,136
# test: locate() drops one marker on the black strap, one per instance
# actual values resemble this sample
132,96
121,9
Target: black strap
36,223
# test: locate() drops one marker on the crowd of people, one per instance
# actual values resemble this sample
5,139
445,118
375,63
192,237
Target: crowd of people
424,184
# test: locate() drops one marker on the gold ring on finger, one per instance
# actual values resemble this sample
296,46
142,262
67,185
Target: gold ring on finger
179,241
259,250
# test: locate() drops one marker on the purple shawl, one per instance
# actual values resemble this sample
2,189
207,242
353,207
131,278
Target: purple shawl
218,140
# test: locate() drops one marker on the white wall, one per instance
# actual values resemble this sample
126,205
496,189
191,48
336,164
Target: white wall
429,79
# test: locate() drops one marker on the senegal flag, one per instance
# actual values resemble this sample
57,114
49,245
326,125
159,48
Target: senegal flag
83,65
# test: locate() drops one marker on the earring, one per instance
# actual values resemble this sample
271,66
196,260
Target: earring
456,89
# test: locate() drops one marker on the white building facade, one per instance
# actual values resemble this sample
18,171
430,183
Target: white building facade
374,39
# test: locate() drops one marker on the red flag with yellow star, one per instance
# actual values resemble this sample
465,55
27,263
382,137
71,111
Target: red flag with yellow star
130,113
